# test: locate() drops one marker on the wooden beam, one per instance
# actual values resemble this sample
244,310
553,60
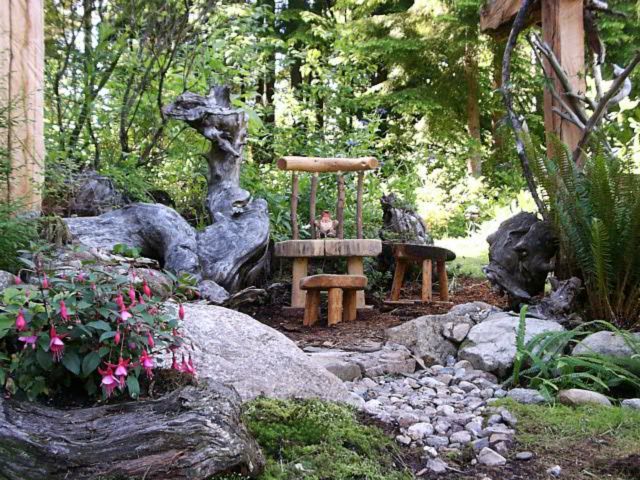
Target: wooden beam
22,94
312,205
320,164
340,207
563,31
294,207
360,188
497,15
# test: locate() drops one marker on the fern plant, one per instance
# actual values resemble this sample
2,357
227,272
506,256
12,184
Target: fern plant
597,215
550,366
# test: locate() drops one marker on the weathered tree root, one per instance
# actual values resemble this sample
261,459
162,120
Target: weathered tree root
191,433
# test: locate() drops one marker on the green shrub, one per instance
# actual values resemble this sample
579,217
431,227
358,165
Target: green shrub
16,232
94,329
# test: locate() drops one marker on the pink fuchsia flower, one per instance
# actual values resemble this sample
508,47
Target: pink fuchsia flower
141,299
31,340
63,311
187,366
122,370
21,323
17,280
116,339
125,315
181,312
45,281
146,289
120,301
146,362
175,365
80,277
108,382
56,345
150,341
132,295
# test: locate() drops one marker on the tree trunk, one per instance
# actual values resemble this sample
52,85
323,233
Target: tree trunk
191,433
474,161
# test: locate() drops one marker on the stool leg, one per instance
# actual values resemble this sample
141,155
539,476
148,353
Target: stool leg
300,269
350,305
427,285
311,308
335,306
398,279
444,281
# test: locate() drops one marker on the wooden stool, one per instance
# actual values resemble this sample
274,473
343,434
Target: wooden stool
342,296
424,255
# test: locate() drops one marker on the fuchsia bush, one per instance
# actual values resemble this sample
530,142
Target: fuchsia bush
99,329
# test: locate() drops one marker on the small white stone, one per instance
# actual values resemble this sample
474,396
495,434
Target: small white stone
491,458
419,430
437,465
462,437
403,439
554,471
632,403
432,452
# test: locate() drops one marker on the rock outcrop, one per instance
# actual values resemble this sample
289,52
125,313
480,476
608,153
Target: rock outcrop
491,345
236,350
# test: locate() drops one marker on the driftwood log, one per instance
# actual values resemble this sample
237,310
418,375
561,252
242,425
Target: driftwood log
191,433
401,224
521,255
233,250
560,305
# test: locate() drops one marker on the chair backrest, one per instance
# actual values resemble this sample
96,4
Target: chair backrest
317,165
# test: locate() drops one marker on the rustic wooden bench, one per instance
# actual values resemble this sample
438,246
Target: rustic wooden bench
342,291
424,255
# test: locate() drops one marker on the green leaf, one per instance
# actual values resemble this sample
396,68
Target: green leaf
44,359
107,335
99,325
90,362
133,385
71,361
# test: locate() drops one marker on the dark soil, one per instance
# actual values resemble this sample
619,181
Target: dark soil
371,324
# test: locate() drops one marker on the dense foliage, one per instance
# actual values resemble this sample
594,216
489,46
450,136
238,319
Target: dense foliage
93,328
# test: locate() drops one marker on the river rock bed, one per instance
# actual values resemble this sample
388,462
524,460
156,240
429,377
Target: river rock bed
443,409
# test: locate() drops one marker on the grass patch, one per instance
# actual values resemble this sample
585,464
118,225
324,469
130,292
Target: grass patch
588,442
317,440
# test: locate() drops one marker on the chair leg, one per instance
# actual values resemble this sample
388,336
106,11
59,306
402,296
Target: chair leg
398,279
350,305
335,306
427,284
311,308
443,280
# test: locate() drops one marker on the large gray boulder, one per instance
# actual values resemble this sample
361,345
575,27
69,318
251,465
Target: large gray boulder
236,350
425,337
577,396
606,343
491,345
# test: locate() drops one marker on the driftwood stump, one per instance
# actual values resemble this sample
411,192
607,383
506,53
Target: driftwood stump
191,433
521,255
233,250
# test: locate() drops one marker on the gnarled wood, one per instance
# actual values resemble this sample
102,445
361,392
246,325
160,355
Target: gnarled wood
191,433
496,16
321,164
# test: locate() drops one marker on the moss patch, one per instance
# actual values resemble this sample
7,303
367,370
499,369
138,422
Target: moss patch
317,440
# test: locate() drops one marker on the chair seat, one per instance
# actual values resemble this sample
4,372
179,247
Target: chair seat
326,281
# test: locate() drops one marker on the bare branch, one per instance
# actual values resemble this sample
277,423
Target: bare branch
568,117
520,136
561,75
600,108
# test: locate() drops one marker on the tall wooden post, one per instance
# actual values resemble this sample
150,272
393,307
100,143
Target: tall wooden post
563,31
22,100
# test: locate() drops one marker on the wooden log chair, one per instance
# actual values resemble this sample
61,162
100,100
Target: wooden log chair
342,290
424,256
327,241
